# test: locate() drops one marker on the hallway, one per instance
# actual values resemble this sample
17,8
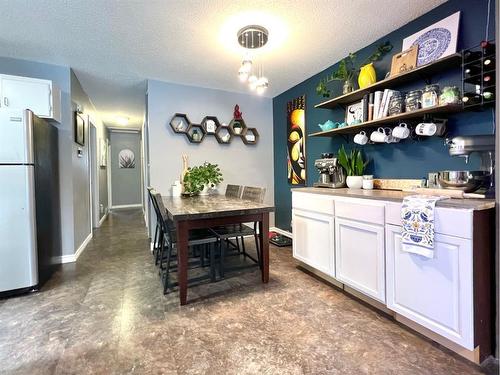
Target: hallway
106,315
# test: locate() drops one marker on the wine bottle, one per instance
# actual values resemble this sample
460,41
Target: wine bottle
488,94
472,70
471,98
472,55
488,79
489,62
487,48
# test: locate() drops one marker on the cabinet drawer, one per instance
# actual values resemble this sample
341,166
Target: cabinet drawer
449,221
360,209
313,202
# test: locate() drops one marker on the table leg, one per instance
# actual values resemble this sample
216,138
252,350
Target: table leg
182,259
264,245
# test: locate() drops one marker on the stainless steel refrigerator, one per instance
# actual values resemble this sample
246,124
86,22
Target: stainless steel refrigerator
30,237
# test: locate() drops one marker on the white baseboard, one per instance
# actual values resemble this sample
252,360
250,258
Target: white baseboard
281,231
102,219
119,207
70,258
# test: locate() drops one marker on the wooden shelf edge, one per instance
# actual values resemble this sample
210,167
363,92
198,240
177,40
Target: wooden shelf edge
390,82
447,108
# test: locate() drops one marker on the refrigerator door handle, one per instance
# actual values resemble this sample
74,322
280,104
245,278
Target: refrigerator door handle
6,101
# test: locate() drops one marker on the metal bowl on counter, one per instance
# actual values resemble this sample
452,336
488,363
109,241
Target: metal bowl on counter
466,181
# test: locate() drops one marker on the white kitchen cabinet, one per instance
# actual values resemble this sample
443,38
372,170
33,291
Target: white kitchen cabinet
313,239
360,256
435,293
39,95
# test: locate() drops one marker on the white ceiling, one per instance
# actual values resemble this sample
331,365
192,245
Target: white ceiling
114,46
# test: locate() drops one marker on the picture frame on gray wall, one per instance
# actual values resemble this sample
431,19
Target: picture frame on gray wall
79,129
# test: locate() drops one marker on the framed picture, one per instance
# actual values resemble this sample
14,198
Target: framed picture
126,159
354,113
436,41
103,150
296,141
79,129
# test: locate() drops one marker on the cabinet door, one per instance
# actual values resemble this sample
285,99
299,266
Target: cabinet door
27,93
359,256
435,293
313,240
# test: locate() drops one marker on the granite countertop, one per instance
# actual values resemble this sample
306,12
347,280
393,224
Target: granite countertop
211,206
397,196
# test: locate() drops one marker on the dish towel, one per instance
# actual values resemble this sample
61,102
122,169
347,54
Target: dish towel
417,217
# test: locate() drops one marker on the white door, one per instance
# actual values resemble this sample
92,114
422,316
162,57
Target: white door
360,256
26,93
313,240
435,293
18,256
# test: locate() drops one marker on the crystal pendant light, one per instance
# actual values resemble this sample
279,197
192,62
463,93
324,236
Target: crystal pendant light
252,37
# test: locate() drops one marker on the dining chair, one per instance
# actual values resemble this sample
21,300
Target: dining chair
240,231
199,239
233,191
158,235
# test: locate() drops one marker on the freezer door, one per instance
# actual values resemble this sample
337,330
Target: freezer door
18,253
16,128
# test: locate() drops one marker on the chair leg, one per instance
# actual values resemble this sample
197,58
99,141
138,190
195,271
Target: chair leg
212,248
221,260
155,240
167,271
257,248
243,247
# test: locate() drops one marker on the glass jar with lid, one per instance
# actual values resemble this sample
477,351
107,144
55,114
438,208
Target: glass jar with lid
450,95
430,96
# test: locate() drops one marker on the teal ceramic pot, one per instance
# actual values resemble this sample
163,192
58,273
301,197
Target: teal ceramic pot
328,125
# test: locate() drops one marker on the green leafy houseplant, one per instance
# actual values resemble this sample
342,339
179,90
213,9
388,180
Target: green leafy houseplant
205,175
353,162
347,68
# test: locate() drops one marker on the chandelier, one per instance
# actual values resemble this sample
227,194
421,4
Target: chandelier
252,37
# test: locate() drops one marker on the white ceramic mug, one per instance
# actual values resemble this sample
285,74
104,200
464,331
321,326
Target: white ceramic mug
379,136
401,131
361,138
429,129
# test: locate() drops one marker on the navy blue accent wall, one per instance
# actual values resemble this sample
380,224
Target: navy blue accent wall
408,159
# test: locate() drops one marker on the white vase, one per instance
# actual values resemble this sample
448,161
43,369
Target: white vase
205,190
354,182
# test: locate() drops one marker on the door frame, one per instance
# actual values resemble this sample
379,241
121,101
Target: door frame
93,176
110,183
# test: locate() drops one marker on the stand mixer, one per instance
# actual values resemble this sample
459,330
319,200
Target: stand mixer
331,174
471,180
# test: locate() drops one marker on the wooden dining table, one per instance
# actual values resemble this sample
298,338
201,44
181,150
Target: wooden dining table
210,211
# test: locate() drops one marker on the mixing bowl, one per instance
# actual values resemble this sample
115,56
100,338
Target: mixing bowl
466,181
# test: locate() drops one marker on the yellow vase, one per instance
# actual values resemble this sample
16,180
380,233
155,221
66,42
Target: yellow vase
367,76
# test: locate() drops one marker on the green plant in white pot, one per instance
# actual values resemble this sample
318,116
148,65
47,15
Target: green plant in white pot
200,179
354,166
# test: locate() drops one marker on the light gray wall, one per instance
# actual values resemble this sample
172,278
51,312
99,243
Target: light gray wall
60,75
240,164
125,182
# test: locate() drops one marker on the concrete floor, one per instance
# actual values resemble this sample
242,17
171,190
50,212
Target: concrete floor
106,314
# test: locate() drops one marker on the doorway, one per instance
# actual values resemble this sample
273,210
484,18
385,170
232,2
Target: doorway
125,169
93,177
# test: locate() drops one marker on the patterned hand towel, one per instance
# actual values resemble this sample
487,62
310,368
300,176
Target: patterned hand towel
417,217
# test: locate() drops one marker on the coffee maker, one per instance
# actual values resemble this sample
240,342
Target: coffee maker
331,174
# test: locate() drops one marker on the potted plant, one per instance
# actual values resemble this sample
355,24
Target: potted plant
200,179
354,166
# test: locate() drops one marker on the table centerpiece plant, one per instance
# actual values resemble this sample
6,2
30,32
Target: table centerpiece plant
354,166
202,178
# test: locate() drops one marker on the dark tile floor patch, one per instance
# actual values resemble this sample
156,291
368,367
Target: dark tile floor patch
106,314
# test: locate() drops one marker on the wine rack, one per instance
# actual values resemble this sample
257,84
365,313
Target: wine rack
479,75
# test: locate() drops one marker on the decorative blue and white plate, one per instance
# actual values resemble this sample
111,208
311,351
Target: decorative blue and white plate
432,45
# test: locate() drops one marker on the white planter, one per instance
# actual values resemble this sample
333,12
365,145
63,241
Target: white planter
205,190
354,182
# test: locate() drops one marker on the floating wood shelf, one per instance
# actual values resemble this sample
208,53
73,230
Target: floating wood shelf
423,71
447,108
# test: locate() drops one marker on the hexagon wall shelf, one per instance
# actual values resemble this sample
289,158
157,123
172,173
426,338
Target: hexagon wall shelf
210,125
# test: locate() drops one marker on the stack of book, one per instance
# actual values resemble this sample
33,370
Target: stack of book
376,104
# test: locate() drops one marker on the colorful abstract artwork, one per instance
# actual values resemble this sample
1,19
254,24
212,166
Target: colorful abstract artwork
296,141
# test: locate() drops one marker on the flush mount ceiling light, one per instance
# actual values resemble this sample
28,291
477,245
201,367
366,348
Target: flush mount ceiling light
251,38
122,120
